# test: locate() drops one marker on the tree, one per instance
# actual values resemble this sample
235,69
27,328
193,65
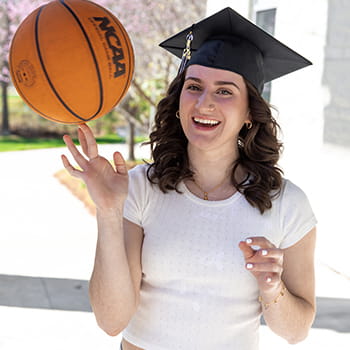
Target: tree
12,12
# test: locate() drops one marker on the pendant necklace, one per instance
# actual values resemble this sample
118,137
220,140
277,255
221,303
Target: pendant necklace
205,193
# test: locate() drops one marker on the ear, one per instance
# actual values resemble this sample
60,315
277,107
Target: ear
248,119
248,122
248,116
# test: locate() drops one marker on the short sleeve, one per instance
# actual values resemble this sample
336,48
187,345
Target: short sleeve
296,214
136,200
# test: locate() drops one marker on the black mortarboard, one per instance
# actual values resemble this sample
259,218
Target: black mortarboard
226,40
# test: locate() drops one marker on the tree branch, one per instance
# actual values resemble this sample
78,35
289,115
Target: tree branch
129,117
139,89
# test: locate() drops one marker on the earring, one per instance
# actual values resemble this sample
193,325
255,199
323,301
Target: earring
249,125
177,115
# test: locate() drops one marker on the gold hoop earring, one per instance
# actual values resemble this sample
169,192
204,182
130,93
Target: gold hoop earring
249,125
177,115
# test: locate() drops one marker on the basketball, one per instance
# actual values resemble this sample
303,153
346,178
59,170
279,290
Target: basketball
71,61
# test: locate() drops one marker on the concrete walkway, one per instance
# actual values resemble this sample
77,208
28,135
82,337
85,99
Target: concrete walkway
47,243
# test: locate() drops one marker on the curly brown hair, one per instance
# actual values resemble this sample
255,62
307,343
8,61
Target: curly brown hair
259,149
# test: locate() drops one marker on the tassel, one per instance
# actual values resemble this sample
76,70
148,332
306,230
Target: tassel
186,55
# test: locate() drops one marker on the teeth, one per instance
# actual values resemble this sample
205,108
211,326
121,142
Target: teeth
206,121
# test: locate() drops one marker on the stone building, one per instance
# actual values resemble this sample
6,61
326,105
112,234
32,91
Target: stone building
336,74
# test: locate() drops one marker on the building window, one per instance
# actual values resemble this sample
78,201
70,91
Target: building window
266,19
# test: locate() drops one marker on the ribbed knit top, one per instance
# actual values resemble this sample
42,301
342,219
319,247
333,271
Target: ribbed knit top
195,291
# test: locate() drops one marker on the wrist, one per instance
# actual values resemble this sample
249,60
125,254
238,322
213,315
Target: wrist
110,212
272,296
270,289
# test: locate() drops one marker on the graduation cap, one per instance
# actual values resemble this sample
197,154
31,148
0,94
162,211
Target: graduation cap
226,40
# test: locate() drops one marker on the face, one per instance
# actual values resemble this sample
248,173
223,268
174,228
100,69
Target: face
213,107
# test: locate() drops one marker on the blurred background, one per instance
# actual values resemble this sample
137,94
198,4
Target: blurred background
47,236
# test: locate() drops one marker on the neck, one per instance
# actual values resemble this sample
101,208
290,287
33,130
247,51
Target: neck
211,166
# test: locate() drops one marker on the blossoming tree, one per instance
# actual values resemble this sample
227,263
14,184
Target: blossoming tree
12,12
148,22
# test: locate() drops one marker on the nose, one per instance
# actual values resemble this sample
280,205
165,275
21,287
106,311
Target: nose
205,103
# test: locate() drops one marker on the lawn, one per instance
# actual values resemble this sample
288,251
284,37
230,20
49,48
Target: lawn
22,118
18,143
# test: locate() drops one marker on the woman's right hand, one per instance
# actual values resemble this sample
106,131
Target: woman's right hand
107,186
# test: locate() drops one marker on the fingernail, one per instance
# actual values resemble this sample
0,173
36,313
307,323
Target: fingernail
249,241
268,279
249,266
264,252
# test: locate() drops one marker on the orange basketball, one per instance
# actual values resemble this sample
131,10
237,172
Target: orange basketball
71,61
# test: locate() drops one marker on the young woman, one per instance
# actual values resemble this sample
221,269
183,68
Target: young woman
195,246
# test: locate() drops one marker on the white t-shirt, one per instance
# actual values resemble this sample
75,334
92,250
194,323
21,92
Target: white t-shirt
196,292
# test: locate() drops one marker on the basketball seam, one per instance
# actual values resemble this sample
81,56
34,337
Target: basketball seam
44,68
18,87
93,56
125,36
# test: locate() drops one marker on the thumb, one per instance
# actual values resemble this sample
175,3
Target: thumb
247,250
119,163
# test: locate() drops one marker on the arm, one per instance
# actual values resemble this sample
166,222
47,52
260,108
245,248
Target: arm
292,315
116,278
115,281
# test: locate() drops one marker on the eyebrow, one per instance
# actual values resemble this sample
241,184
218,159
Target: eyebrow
219,82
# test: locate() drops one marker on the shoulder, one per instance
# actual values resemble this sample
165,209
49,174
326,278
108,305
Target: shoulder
293,202
138,194
139,170
138,174
139,184
296,215
291,193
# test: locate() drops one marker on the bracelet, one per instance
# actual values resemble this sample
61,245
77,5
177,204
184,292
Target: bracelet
275,301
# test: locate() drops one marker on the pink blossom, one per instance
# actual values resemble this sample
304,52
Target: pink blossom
12,12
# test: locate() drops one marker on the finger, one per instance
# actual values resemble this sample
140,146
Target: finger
262,242
273,253
92,150
74,151
82,141
71,170
264,267
120,163
247,251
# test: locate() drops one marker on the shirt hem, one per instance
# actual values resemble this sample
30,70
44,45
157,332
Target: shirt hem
131,219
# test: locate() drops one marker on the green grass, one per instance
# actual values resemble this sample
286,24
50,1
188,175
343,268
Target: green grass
18,143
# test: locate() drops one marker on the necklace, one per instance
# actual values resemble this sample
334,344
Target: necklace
205,193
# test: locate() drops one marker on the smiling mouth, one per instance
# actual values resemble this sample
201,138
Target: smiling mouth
207,123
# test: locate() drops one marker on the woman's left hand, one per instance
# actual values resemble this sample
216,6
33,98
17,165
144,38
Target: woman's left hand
266,263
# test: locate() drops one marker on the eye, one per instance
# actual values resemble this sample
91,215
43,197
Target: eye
193,87
224,92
